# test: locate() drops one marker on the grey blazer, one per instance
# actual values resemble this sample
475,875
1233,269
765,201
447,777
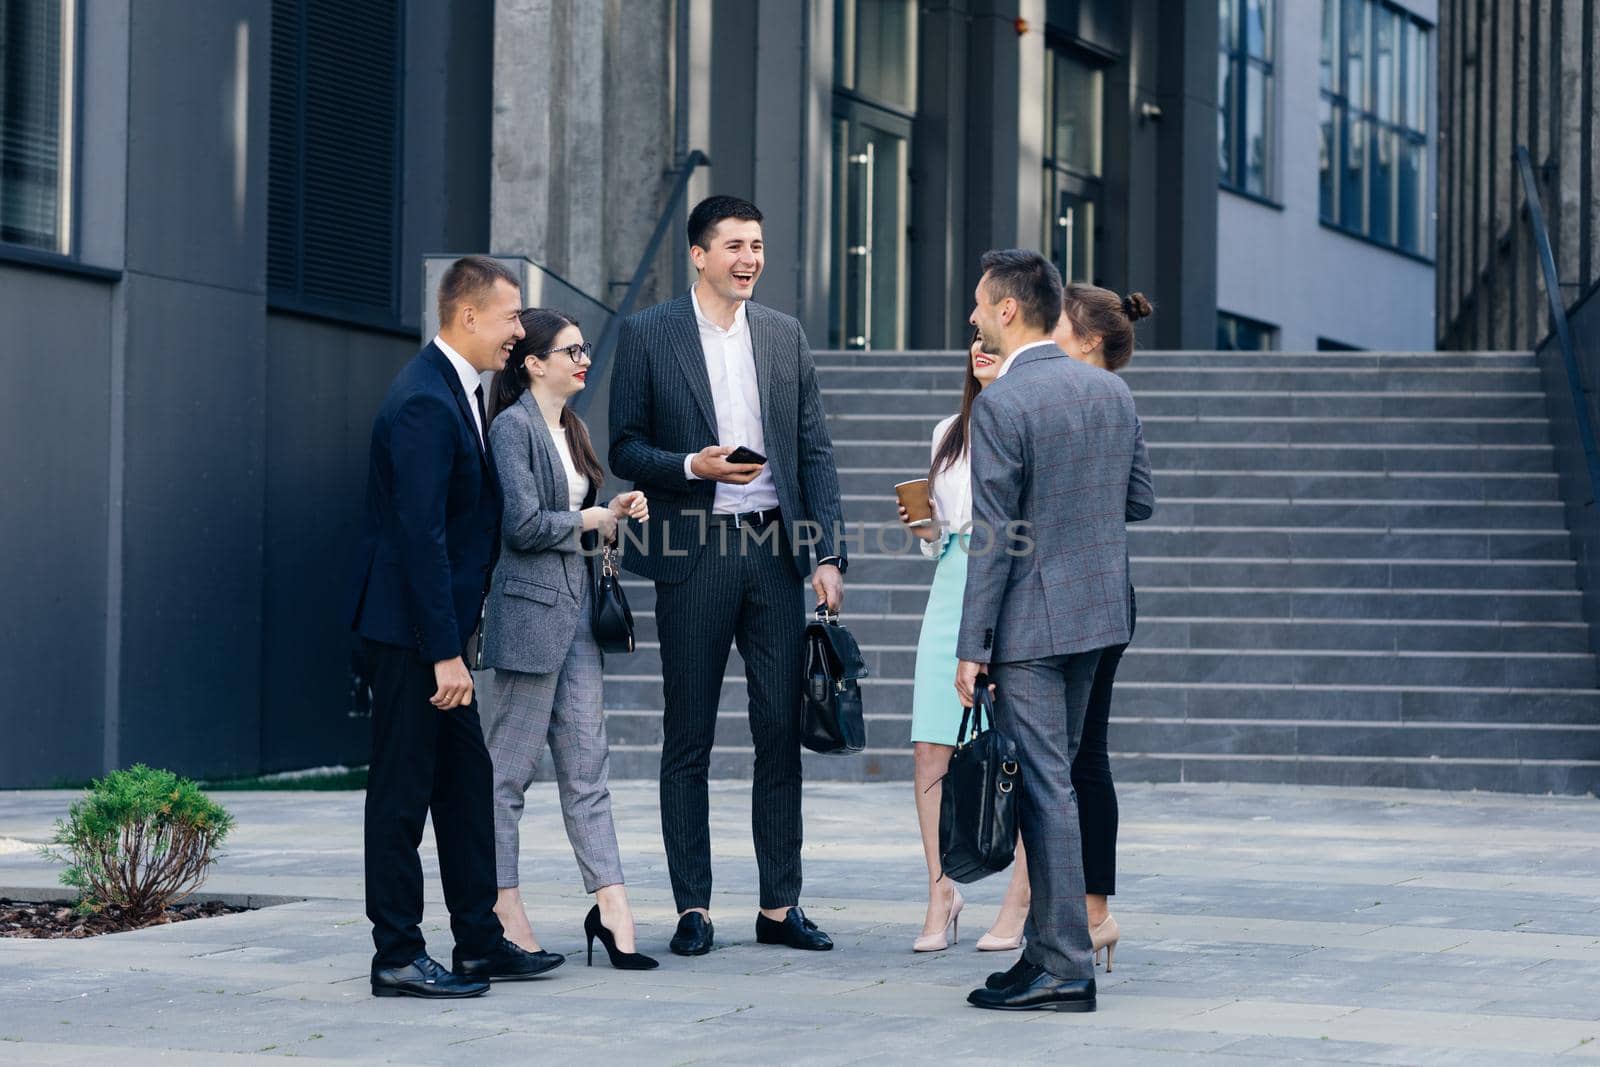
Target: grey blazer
536,595
662,410
1056,444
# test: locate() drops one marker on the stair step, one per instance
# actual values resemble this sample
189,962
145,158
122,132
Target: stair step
1398,361
946,375
1157,631
878,403
869,602
1212,485
1236,513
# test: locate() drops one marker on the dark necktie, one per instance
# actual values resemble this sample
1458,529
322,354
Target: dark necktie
483,420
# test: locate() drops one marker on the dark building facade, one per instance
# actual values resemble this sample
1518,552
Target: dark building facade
213,219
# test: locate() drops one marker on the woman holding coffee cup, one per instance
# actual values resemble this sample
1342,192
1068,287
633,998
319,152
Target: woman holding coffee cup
940,513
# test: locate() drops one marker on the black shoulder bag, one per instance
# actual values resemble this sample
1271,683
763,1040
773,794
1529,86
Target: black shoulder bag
833,721
612,620
982,791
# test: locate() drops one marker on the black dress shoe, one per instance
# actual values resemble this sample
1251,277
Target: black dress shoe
423,977
508,963
1021,971
1043,992
693,937
796,931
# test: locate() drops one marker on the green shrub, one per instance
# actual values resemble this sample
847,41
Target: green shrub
138,841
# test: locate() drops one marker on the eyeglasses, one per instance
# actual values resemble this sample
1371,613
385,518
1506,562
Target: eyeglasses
577,353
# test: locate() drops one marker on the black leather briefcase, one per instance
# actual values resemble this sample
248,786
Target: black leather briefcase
833,721
981,795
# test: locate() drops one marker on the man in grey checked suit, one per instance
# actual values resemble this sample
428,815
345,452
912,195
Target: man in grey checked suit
728,545
1056,445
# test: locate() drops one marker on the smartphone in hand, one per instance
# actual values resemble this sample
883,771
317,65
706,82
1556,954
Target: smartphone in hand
744,455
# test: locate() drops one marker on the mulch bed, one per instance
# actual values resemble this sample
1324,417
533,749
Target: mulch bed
21,918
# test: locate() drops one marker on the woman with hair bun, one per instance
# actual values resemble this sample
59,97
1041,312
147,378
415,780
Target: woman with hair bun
1096,327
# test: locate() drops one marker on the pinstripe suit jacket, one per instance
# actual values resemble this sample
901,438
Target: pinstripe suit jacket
536,596
662,410
1056,444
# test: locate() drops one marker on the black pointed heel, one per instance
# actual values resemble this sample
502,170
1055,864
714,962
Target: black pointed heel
622,961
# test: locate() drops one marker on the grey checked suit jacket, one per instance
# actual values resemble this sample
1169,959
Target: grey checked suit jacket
662,410
1056,444
536,595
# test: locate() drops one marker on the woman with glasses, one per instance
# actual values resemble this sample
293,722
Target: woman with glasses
537,632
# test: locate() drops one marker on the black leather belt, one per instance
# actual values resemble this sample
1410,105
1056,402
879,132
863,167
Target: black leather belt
753,519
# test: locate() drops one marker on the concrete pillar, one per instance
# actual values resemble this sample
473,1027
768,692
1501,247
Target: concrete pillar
942,266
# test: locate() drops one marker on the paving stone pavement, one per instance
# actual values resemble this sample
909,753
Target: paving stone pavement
1261,924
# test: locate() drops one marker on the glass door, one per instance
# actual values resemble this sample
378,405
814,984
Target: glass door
1072,185
871,153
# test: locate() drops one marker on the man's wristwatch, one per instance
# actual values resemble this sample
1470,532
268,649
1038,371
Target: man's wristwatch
838,561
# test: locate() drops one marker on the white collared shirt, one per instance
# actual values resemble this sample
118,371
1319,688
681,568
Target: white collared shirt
470,381
950,491
731,366
1013,356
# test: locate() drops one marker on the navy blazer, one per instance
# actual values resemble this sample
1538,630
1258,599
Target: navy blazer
432,529
662,410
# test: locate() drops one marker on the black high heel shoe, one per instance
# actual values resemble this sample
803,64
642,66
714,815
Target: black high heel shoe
622,961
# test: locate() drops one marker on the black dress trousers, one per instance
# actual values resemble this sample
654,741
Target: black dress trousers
426,760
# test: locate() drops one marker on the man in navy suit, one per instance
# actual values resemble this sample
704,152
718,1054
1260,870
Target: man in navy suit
432,535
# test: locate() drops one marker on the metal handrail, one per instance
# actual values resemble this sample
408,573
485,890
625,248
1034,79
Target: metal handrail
1558,317
608,337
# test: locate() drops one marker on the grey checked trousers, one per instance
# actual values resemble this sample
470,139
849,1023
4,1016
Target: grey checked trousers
566,708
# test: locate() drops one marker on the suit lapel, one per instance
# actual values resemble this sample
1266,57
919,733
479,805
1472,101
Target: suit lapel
464,403
685,343
543,446
761,344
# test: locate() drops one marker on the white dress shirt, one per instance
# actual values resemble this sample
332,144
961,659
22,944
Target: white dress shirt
951,492
731,365
470,381
1013,356
577,484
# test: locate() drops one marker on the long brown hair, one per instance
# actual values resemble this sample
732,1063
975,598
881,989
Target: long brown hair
541,327
954,445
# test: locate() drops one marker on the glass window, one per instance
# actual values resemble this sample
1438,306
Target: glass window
36,112
1375,118
1075,113
333,166
1236,333
1245,91
875,49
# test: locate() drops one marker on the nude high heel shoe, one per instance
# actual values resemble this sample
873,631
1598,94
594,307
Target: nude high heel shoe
994,943
950,935
1105,936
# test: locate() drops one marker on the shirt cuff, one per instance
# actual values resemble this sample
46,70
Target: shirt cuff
688,468
825,560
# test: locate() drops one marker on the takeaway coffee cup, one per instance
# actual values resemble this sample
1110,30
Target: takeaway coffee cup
913,497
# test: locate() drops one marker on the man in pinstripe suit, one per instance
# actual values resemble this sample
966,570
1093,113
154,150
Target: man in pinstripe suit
728,546
1056,445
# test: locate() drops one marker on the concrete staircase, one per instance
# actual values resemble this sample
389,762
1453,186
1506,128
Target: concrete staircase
1358,573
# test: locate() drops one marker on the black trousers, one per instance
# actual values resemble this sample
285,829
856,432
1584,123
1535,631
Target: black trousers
426,760
1091,780
746,592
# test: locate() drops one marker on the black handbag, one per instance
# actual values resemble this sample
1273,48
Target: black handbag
833,722
612,621
981,795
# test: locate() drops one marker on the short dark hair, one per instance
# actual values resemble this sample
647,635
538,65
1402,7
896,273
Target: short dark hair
470,279
1028,278
712,210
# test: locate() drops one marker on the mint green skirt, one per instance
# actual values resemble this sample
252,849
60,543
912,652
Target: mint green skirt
935,709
